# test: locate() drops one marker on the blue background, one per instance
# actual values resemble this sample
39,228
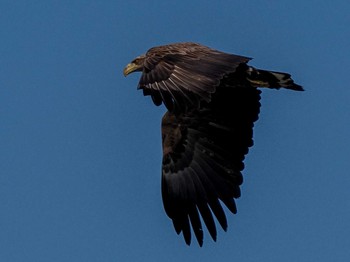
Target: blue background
80,148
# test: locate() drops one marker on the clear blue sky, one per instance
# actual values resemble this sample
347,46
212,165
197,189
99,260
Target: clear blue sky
80,149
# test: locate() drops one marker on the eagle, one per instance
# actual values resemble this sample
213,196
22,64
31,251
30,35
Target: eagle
212,100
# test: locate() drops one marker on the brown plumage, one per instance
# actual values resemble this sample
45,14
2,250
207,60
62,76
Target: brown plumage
213,102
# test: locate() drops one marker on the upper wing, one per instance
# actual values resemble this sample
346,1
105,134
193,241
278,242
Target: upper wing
181,75
203,153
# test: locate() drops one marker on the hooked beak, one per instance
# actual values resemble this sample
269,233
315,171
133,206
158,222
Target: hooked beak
130,68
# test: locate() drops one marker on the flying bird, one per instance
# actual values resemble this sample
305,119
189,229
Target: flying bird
212,100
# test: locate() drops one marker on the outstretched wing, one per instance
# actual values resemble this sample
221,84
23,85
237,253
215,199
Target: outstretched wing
203,153
181,75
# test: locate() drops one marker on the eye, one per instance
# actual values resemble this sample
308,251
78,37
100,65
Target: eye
137,60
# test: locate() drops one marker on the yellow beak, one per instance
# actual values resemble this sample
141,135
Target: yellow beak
130,68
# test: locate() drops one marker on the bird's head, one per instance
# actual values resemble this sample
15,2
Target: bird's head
135,65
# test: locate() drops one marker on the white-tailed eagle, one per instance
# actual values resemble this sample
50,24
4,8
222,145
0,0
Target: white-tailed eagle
213,100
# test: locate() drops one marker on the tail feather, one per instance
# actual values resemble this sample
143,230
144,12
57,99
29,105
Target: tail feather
270,79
